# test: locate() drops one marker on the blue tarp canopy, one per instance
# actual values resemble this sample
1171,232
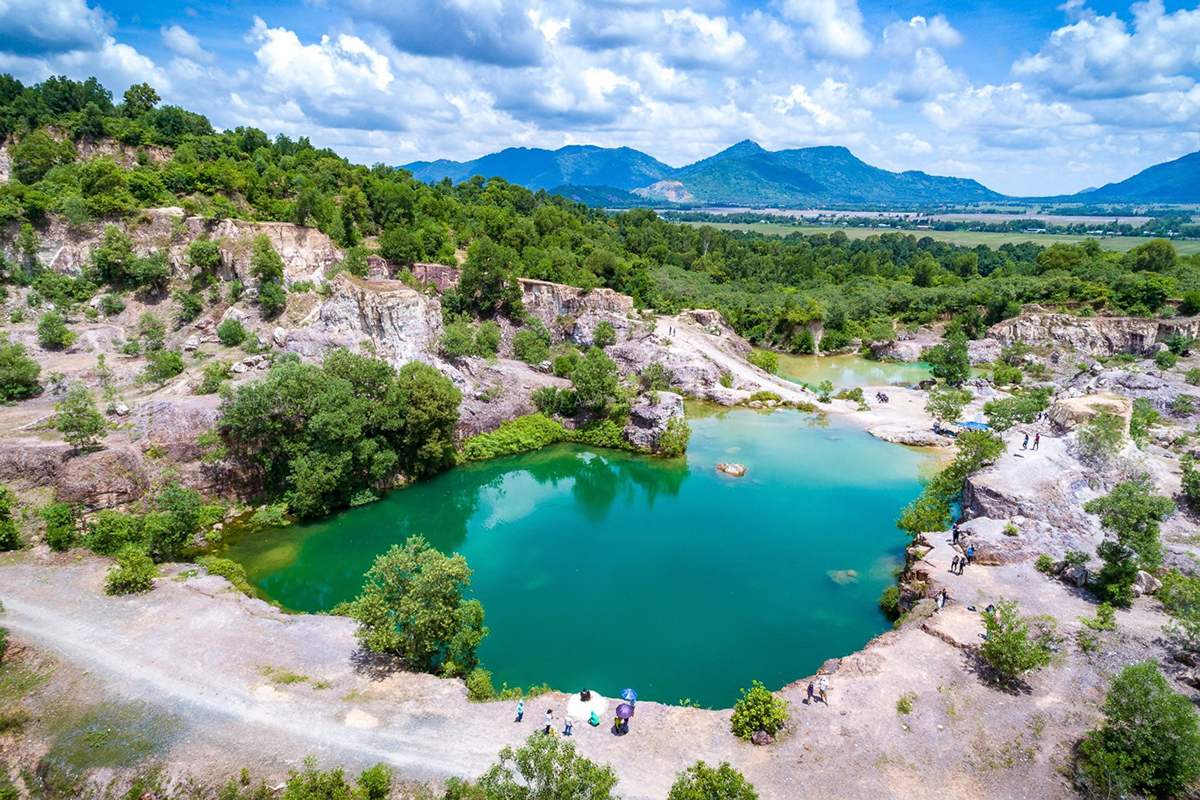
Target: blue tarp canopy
975,426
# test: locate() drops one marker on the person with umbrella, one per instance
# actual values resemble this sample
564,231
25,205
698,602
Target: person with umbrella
621,724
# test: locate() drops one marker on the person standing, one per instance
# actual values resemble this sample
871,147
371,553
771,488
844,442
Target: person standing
954,566
1037,440
1025,444
549,722
520,709
812,692
823,688
568,726
970,554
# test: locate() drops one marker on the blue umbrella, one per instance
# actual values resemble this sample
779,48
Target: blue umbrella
629,694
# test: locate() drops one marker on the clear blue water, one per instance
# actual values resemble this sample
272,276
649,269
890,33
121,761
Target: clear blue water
604,569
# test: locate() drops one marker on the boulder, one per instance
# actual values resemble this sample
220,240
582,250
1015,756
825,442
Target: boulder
1145,583
761,738
983,351
733,470
898,350
1069,413
1076,576
649,416
191,343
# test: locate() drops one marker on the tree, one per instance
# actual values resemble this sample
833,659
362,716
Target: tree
949,360
488,284
10,534
412,606
1101,438
204,256
113,259
140,99
231,332
702,782
77,419
53,333
758,710
1156,255
272,299
18,372
36,154
545,768
133,573
265,264
1008,647
1132,511
532,344
595,380
673,441
1147,745
946,403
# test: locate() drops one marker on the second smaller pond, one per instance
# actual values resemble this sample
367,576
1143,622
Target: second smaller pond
848,371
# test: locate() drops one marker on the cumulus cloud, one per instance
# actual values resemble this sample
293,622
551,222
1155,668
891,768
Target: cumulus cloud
46,27
501,32
1103,57
905,36
179,41
832,28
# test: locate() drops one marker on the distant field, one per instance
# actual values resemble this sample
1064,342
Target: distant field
966,238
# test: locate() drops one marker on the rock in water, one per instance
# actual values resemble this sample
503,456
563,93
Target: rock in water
843,576
733,470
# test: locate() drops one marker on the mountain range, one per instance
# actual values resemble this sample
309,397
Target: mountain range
746,174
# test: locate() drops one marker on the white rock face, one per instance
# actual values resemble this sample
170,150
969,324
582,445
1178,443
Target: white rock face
649,416
1094,335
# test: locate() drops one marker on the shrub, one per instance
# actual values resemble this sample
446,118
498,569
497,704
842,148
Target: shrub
1008,647
1044,563
904,703
190,306
152,331
3,652
272,299
564,364
544,767
458,340
655,378
604,335
1006,375
1105,619
764,360
1183,405
824,391
60,525
111,305
1165,359
163,365
1148,743
487,339
1192,376
726,379
77,419
552,400
520,435
1101,438
1190,483
412,606
531,346
764,396
479,686
1180,596
108,531
134,572
213,377
18,372
10,534
1024,407
231,332
595,380
702,782
945,403
52,331
889,602
231,571
673,441
1143,418
758,710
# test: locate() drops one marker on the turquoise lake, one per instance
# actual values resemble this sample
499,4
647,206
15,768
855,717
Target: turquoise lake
603,569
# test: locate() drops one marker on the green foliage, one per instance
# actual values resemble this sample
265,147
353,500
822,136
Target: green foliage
78,420
412,606
1119,568
479,686
272,299
1183,405
946,403
488,284
60,525
545,768
487,339
673,441
1132,512
18,372
1190,483
904,703
758,710
458,339
1165,359
1147,745
949,361
162,365
213,377
1190,304
564,364
532,344
824,391
595,380
1044,563
889,602
108,531
1144,417
231,571
190,305
1006,375
320,434
111,305
1008,648
702,782
204,256
314,784
931,510
1101,438
604,335
1024,407
1105,619
10,534
52,331
231,332
764,360
133,573
265,264
554,401
520,435
1180,597
152,331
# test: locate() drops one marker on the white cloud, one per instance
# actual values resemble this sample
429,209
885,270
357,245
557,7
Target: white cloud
44,27
903,37
179,41
501,32
833,28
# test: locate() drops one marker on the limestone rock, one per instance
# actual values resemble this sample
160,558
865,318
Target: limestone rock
1145,583
983,351
1076,576
279,336
1069,413
733,470
1092,335
761,738
649,416
191,343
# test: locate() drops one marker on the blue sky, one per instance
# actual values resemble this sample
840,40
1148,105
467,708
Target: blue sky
1029,98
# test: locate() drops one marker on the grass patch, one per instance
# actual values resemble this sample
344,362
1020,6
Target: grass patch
111,735
283,677
904,705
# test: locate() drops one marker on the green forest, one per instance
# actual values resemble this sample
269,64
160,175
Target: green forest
80,154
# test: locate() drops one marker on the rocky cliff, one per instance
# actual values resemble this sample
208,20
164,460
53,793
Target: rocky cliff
1097,336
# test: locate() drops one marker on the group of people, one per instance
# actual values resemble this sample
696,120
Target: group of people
1037,441
880,397
547,720
821,687
960,562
